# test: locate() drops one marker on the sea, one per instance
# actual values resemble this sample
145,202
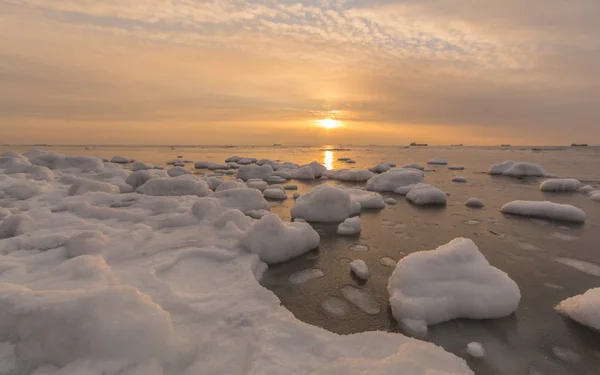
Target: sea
550,261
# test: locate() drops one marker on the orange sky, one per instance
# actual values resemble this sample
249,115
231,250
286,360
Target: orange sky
263,72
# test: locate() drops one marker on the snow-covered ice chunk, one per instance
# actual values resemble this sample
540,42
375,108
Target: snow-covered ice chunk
83,185
583,308
425,194
318,169
174,187
120,160
456,167
178,171
231,184
517,169
580,265
218,167
303,173
325,204
474,203
414,166
388,262
258,185
595,195
355,175
362,299
349,227
275,194
437,162
282,174
245,161
242,199
86,243
391,201
140,166
275,242
545,210
304,276
138,178
560,184
459,179
380,168
394,179
248,172
16,225
453,281
368,200
276,180
475,350
360,269
202,164
21,190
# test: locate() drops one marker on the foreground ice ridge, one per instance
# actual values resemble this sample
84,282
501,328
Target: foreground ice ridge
132,283
453,281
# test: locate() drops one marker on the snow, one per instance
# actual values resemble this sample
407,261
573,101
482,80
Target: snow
545,210
230,184
475,350
16,225
355,175
583,308
86,243
453,281
349,227
456,167
177,171
276,180
425,194
303,173
275,193
437,162
587,189
560,184
325,204
245,161
360,269
248,172
120,160
174,187
380,168
83,185
459,179
368,200
474,203
275,242
394,179
517,169
391,201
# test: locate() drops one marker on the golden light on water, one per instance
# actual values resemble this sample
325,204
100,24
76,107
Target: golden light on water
329,123
328,161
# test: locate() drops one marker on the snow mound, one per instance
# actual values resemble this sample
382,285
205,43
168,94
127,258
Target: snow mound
140,166
459,179
453,281
456,167
248,172
474,203
475,350
276,242
275,193
349,227
21,190
16,225
380,168
391,201
517,169
177,171
120,160
83,185
560,184
231,184
174,187
393,179
425,194
202,164
326,204
368,200
276,180
303,173
414,166
138,178
595,195
437,162
86,243
360,269
258,185
355,175
545,210
244,200
318,169
583,308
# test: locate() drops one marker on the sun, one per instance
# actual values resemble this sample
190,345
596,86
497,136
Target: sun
329,123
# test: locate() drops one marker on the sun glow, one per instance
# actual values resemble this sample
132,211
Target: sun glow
329,123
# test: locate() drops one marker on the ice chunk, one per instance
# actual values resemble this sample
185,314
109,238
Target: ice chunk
425,194
86,243
326,204
277,194
414,166
304,276
140,166
360,269
276,242
245,161
138,178
595,195
318,169
174,187
459,179
453,281
380,168
474,203
368,200
456,167
583,308
355,175
290,187
335,307
258,185
560,184
303,173
276,180
391,201
388,262
120,160
231,184
262,172
244,200
437,162
83,185
517,169
177,171
21,190
207,208
349,227
475,350
361,299
202,164
545,210
580,265
218,167
393,179
282,174
16,225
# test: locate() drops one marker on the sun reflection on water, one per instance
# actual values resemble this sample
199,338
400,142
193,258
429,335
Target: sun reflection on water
328,160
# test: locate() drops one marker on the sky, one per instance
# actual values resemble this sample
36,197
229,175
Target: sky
478,72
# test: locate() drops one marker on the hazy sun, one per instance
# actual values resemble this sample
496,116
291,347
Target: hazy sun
329,123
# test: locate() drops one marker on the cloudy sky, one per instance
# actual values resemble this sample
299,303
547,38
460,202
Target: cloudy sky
263,71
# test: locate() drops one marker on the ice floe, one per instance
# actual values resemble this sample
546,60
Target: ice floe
349,227
425,194
326,204
474,203
360,269
517,169
583,308
545,210
368,200
560,184
394,179
475,350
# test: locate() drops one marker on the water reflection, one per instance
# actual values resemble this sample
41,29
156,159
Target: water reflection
328,161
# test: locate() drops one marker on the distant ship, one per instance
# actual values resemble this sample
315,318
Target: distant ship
418,144
579,145
504,145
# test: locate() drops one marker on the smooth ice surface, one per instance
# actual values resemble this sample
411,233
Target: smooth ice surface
453,281
581,265
304,276
560,184
517,169
360,269
474,203
362,299
545,210
395,178
326,204
425,194
583,308
368,200
475,350
349,227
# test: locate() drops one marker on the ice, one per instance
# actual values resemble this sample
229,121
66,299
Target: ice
390,201
359,247
20,190
258,185
474,203
355,175
335,307
290,187
566,355
453,281
276,180
276,194
368,200
304,276
587,189
560,184
456,167
414,166
349,227
248,172
83,186
360,269
231,184
380,168
303,173
235,159
437,162
86,243
276,242
326,204
178,171
583,308
394,179
282,174
140,166
388,262
425,194
246,161
201,164
475,350
120,160
595,195
459,179
16,225
361,299
517,169
174,187
545,210
218,167
580,265
242,199
318,169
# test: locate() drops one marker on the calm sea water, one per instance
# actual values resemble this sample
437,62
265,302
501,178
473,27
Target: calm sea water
535,340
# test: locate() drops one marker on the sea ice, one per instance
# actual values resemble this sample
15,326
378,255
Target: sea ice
560,184
16,225
360,269
517,169
303,173
368,200
290,187
394,179
276,180
262,172
174,187
354,175
474,203
580,265
178,171
380,168
453,281
391,201
414,166
83,185
242,199
349,227
583,308
325,204
335,307
259,185
545,210
475,350
318,169
275,194
140,166
456,167
230,184
425,194
120,160
595,195
459,179
437,162
202,165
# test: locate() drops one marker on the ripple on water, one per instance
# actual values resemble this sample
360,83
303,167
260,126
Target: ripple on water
388,262
361,299
580,265
306,275
335,307
359,247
